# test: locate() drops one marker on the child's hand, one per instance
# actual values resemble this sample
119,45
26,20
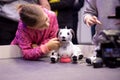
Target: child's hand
53,44
34,45
91,20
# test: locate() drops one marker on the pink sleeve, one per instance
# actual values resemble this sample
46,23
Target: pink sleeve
53,27
23,39
25,43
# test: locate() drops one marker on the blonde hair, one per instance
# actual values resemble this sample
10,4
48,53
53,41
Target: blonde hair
31,14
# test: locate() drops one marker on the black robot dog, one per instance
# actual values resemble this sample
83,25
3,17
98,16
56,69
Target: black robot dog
109,50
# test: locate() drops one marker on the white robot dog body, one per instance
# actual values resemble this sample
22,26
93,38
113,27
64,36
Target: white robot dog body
67,49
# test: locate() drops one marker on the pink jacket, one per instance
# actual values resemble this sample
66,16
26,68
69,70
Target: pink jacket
25,37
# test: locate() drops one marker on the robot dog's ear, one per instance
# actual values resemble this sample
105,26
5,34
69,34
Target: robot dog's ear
58,32
73,33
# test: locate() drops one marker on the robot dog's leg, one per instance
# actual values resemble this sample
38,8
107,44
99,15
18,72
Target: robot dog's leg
80,56
74,59
77,57
92,58
97,62
77,54
54,57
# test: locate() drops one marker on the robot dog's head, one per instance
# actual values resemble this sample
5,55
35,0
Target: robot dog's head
65,35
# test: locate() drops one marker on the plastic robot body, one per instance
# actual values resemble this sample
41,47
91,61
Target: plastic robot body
108,52
68,51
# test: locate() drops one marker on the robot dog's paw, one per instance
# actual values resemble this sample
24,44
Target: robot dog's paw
74,59
97,62
54,57
80,57
53,60
91,59
88,60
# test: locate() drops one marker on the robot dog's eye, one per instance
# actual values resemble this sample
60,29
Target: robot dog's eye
60,33
68,33
52,53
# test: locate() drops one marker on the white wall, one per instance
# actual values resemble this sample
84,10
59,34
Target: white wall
9,51
84,32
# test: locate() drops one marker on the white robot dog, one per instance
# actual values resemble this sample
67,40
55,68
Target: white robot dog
68,52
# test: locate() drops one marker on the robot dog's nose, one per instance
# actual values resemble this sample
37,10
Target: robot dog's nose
63,37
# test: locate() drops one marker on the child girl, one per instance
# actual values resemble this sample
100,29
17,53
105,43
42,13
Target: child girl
36,33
